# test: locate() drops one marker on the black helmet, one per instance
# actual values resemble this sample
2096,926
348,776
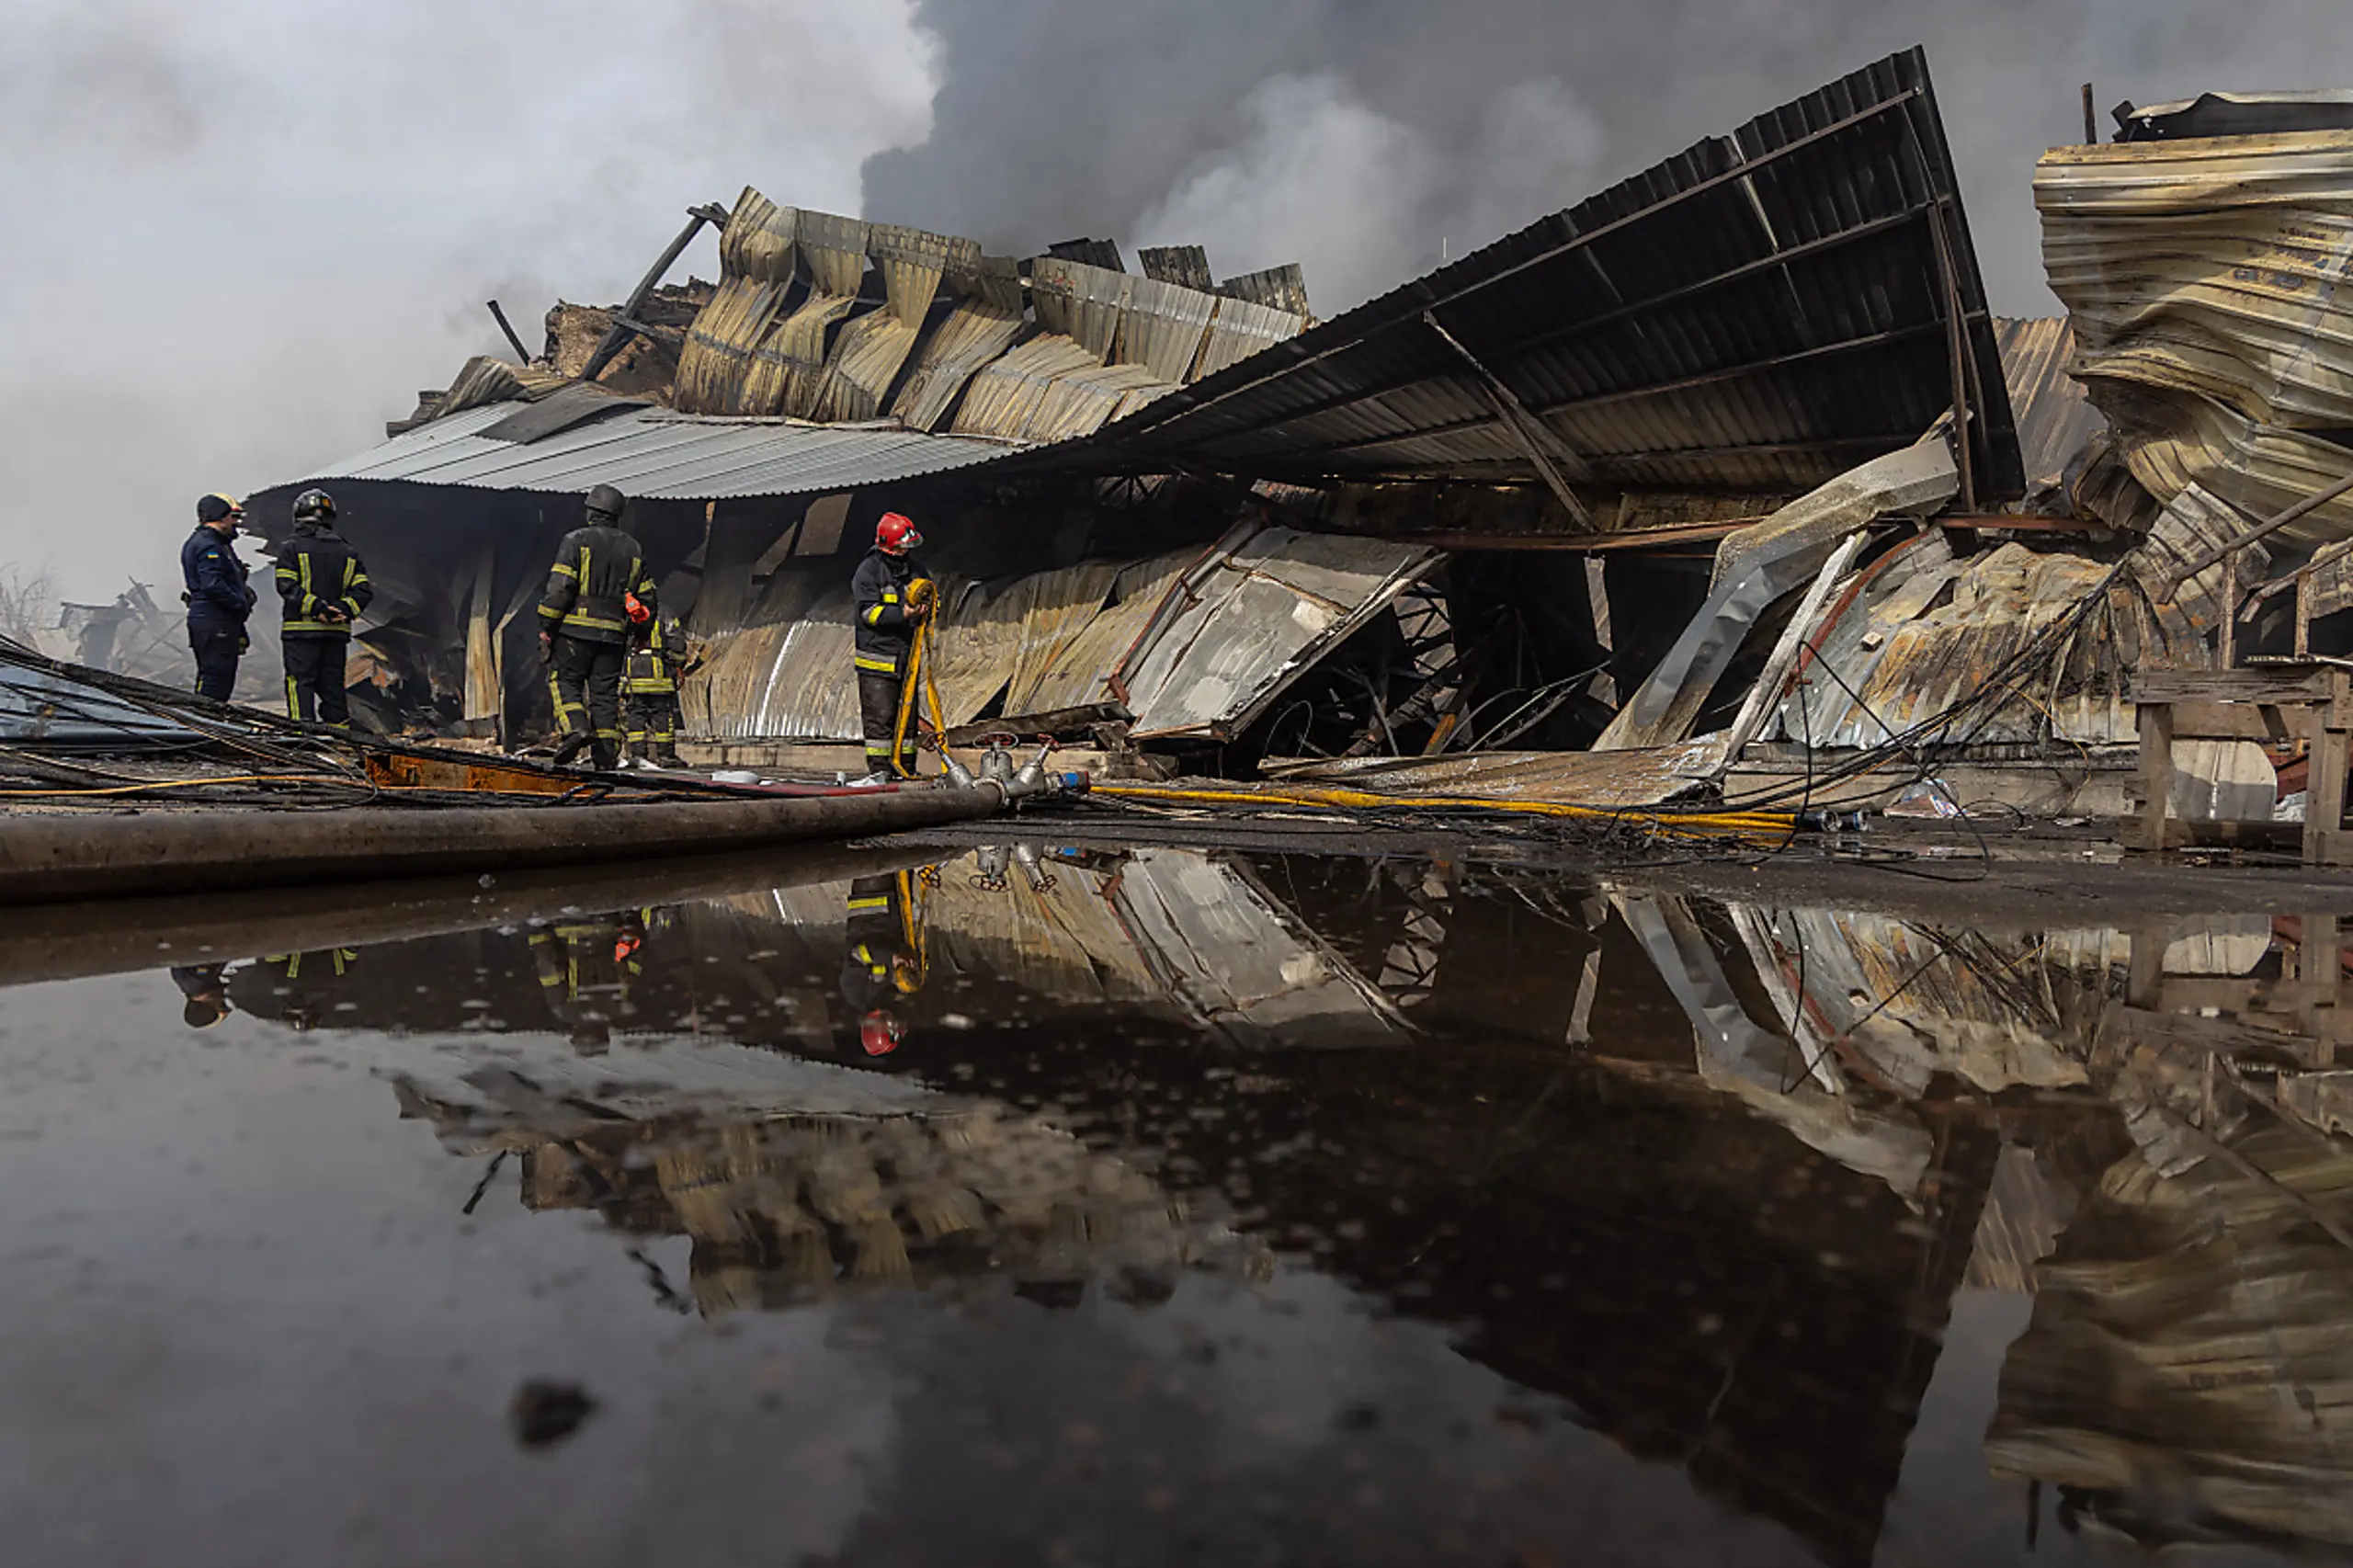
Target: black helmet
314,507
606,505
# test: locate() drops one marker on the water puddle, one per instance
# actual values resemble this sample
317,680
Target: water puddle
1032,1205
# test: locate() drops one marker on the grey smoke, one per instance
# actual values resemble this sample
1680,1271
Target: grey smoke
1412,127
241,237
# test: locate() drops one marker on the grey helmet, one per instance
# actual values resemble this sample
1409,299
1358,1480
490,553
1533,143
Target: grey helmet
606,505
313,507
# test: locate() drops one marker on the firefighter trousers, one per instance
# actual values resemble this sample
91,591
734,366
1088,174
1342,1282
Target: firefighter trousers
650,725
315,678
878,711
584,680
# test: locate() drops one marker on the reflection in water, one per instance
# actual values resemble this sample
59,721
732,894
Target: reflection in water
1710,1173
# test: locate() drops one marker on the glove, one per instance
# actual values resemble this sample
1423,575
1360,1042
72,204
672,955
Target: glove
547,647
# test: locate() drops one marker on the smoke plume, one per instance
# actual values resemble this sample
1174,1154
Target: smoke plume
1368,138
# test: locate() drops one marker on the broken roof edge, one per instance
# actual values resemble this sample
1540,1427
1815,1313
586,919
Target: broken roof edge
1899,84
659,454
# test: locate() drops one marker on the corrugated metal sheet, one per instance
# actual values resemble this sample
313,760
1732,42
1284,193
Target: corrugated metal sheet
973,333
1163,327
1261,609
2239,114
1082,402
867,355
1764,312
1606,778
666,456
1280,287
1083,303
2207,280
2056,420
1003,398
1187,264
1238,328
1080,671
1923,634
756,258
1239,964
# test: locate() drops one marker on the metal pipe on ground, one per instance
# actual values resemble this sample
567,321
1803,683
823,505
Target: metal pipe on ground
54,858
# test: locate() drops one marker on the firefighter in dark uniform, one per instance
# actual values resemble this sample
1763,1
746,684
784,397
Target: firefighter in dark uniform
884,961
584,627
586,967
303,982
214,589
895,595
321,589
658,661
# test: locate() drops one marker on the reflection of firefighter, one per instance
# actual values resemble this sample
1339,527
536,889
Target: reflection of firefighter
886,960
206,988
658,660
586,968
301,981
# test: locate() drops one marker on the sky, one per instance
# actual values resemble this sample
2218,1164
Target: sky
242,233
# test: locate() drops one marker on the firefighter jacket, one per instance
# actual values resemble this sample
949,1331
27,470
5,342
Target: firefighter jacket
595,567
877,943
884,634
318,569
657,659
214,582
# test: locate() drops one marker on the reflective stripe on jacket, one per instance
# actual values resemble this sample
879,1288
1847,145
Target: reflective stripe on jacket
595,567
656,659
882,632
317,568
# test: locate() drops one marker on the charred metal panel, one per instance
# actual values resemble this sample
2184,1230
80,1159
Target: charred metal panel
1258,611
1764,312
1186,264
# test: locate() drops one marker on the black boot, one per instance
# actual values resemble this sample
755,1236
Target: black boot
567,748
605,756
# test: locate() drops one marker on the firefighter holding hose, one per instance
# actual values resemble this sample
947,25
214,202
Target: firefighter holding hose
895,599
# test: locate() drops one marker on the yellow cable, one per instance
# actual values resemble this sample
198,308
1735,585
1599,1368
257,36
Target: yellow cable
1695,824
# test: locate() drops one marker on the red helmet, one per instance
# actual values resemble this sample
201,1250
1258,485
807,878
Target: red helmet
880,1033
896,534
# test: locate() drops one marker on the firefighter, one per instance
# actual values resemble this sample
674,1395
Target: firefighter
205,993
584,627
213,587
303,983
894,595
321,589
658,661
587,966
884,962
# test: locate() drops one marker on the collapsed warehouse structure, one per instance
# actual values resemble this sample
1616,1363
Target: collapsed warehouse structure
1726,476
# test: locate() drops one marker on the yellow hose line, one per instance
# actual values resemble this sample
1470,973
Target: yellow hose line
918,687
1697,823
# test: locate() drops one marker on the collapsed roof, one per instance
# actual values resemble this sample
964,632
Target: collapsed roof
1759,313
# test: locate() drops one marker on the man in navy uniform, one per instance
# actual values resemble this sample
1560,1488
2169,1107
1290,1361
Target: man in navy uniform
213,587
